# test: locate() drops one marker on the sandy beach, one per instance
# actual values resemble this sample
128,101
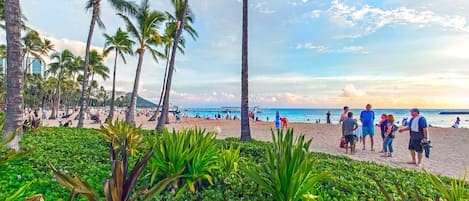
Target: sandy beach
449,155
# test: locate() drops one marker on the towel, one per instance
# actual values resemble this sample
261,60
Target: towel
414,127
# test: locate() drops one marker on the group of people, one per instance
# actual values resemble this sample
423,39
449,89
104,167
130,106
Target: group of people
417,127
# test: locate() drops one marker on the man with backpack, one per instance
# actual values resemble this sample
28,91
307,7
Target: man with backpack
418,135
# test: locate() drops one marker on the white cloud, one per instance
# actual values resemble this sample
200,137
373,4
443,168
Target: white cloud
351,92
311,46
76,47
455,48
316,13
326,49
263,8
369,19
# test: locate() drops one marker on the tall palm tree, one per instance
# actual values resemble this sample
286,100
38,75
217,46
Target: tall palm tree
245,128
181,12
145,31
121,44
61,62
96,67
95,6
168,37
14,114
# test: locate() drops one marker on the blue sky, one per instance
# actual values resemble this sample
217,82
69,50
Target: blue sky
303,53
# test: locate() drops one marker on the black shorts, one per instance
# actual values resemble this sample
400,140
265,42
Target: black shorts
416,145
350,139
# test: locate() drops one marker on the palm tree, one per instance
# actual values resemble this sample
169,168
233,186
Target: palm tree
35,47
60,68
121,44
145,32
14,114
31,47
95,6
2,16
97,67
33,89
168,37
245,128
182,12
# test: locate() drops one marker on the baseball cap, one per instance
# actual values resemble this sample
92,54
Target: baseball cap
415,110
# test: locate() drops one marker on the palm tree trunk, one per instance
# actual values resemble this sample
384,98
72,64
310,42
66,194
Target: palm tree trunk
84,87
56,102
113,95
164,115
245,128
14,114
133,100
163,89
58,99
89,91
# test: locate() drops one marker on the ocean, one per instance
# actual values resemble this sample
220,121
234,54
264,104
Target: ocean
312,115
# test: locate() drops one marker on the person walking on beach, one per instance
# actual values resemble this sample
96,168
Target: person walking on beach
277,120
348,127
383,123
367,117
390,134
456,124
343,116
328,114
418,134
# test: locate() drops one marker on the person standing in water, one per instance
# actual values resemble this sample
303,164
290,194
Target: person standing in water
328,117
277,120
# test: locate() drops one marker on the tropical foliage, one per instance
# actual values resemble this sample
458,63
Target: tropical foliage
191,153
120,132
65,148
288,174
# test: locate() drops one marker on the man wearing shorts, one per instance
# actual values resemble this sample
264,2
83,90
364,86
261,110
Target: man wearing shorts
367,117
348,127
418,134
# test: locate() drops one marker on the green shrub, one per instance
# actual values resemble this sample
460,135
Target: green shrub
121,131
287,175
191,153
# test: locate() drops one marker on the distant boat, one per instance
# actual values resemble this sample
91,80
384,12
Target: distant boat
256,109
455,112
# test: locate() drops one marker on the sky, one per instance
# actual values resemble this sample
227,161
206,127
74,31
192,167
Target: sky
302,53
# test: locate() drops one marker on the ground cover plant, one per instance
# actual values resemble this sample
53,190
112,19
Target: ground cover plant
85,153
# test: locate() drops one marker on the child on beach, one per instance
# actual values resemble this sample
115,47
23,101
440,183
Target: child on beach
284,122
390,134
382,124
348,127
